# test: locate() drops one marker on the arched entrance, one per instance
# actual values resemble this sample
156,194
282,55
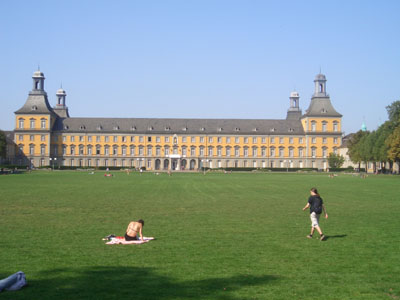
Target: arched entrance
192,164
183,164
166,164
158,164
174,164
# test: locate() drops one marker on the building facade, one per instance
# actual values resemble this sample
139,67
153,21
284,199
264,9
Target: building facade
48,136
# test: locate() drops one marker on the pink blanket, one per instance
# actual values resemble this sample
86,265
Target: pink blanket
118,240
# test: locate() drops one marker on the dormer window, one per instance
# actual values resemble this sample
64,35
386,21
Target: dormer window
184,128
66,127
220,129
202,129
82,127
133,128
99,127
34,107
116,127
255,129
272,129
237,129
167,128
291,129
150,128
324,111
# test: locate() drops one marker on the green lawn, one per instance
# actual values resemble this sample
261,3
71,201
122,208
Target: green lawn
218,236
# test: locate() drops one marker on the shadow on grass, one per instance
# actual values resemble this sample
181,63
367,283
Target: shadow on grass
335,236
132,283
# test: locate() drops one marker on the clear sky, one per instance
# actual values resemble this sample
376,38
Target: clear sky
202,59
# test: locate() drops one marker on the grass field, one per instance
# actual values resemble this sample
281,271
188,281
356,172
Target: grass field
218,236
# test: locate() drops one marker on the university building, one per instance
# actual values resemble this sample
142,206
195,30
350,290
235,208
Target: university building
48,136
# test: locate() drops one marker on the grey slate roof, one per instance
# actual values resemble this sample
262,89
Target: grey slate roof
36,103
321,107
178,126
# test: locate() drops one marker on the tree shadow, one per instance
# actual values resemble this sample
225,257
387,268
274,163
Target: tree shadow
327,237
131,283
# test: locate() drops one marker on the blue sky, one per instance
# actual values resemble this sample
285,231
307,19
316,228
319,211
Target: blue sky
202,59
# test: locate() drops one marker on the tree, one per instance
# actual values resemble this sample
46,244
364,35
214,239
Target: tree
353,145
393,143
3,144
335,160
393,111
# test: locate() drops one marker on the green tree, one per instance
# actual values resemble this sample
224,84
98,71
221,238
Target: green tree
393,111
3,144
335,160
393,143
354,147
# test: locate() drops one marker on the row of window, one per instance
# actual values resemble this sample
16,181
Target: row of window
186,151
184,139
335,126
32,123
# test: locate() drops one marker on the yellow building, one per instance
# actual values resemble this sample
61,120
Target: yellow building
47,136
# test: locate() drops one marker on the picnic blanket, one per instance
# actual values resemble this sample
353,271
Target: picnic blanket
121,240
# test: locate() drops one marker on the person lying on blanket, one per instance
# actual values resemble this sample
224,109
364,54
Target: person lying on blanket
134,229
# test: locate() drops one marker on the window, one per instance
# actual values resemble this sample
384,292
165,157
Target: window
31,137
237,140
166,151
81,150
21,123
42,149
97,139
141,150
72,138
166,139
290,140
291,152
335,150
335,126
72,150
193,139
106,139
192,151
313,126
272,140
43,123
115,150
254,152
313,140
324,140
272,152
184,139
263,151
124,150
20,137
245,140
301,152
228,151
219,151
300,140
158,151
64,150
31,149
237,153
210,151
98,149
32,123
254,140
132,150
324,126
106,150
228,140
281,140
141,139
115,139
335,140
89,150
124,139
132,139
313,151
219,140
81,138
89,138
210,139
184,151
201,151
149,151
202,139
263,140
246,152
281,151
324,151
149,138
158,139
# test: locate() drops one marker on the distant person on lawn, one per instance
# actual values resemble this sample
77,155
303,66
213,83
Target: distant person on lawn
316,206
134,230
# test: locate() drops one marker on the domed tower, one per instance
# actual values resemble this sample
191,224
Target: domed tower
294,112
61,109
33,124
322,126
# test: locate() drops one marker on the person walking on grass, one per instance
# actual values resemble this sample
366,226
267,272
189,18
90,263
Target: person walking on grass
316,206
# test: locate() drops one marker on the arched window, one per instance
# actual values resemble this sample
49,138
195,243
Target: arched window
324,126
313,126
43,123
32,123
21,123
